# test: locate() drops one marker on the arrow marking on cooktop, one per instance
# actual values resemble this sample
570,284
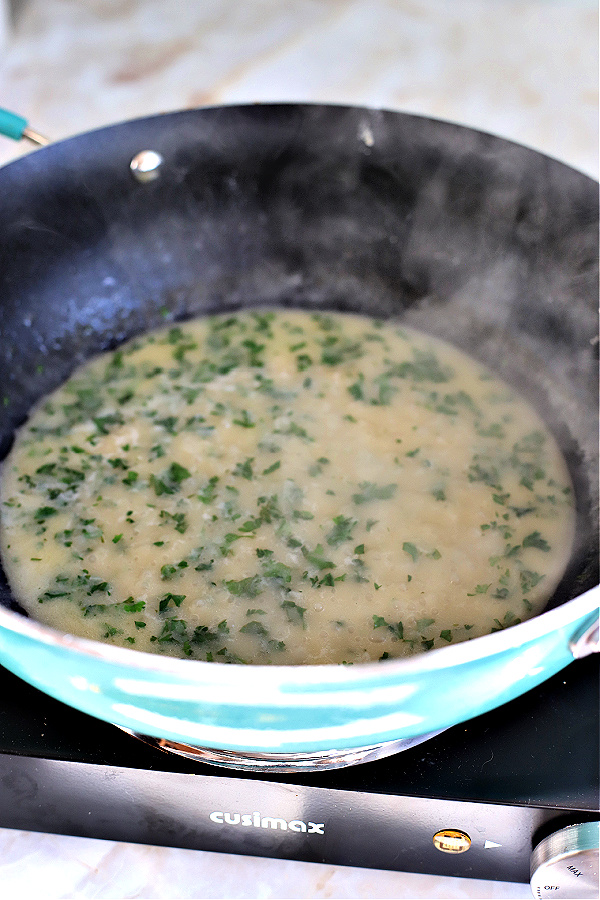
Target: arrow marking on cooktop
489,844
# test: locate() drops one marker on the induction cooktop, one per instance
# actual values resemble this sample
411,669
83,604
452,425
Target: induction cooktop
472,801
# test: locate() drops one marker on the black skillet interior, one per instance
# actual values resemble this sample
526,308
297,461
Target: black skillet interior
477,240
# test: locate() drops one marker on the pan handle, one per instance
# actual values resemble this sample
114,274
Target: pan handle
17,128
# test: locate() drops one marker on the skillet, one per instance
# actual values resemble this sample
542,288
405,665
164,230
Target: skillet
482,242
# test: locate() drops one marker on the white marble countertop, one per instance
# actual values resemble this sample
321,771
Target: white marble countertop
523,69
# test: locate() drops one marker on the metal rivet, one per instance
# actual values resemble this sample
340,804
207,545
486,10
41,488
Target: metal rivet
451,840
145,165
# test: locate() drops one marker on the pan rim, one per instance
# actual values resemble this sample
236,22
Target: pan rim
298,105
570,613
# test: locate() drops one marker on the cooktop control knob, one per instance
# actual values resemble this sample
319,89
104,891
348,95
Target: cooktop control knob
565,864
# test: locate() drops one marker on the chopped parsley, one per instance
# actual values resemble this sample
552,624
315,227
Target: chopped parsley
370,492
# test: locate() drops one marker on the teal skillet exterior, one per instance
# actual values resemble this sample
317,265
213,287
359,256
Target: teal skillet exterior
299,709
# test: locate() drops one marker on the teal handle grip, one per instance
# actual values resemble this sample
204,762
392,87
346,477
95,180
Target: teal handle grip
12,125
